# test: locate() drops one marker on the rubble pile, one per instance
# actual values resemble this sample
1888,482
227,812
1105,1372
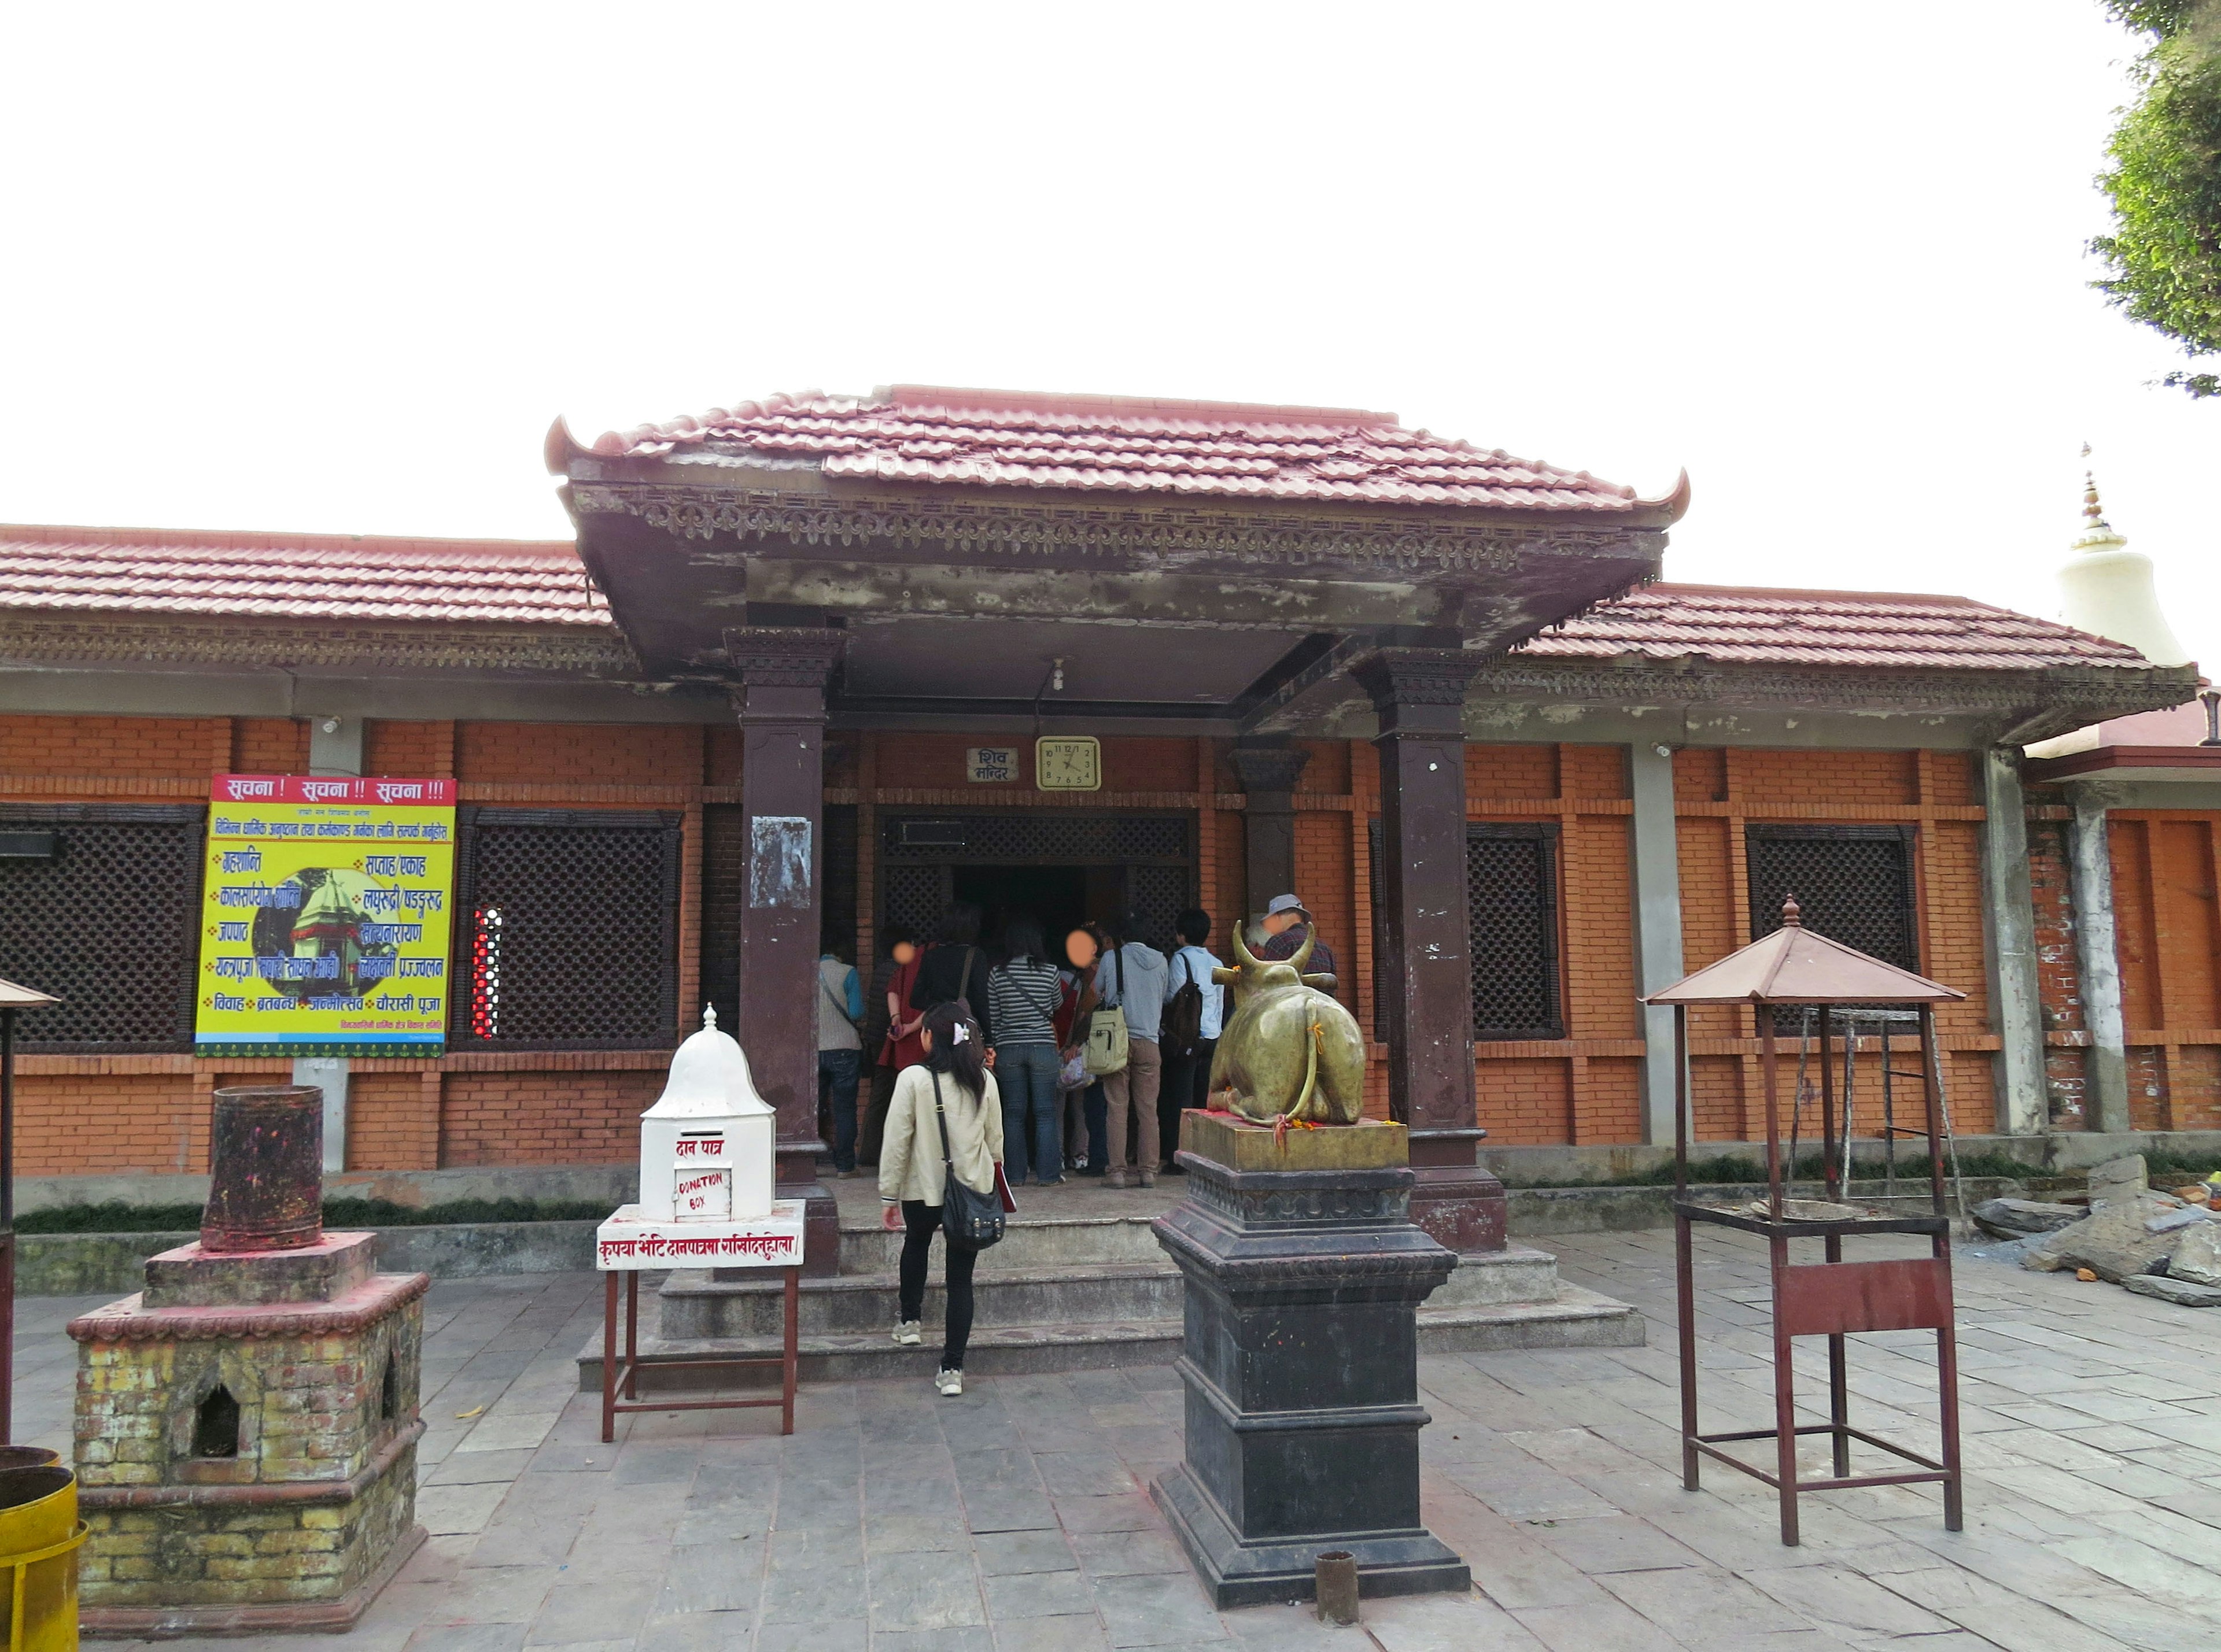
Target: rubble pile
2166,1245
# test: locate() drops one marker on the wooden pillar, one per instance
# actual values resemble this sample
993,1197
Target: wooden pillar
779,694
1419,694
1269,767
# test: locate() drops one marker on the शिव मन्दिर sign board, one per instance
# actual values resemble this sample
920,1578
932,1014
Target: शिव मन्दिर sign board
324,918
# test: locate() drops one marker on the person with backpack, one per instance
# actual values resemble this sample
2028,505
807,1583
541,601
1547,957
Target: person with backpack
1194,1016
840,1053
1122,1050
1025,997
954,969
945,1119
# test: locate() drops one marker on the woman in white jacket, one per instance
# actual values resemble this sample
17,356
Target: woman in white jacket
954,1076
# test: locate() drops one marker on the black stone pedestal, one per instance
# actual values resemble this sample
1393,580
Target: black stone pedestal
1303,1277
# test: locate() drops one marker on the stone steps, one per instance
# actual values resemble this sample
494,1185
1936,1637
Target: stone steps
1028,1242
1081,1315
1573,1318
696,1305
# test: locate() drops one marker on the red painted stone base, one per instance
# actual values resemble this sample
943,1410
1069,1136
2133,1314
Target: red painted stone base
287,1617
820,1217
1453,1201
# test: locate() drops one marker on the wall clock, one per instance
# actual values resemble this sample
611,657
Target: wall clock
1068,763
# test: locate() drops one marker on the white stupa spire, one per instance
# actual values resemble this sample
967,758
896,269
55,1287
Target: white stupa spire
2106,588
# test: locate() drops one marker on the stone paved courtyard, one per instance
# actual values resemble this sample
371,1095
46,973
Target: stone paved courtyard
1016,1519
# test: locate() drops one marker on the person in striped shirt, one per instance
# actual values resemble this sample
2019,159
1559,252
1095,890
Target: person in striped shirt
1024,994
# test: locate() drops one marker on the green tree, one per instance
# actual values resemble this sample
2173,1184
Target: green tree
2164,255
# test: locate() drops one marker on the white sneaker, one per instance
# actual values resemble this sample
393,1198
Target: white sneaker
951,1383
906,1333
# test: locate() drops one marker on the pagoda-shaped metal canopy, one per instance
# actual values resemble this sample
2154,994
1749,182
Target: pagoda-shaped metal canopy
13,997
1795,966
1832,1298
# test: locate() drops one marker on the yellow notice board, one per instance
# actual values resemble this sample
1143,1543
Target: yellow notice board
324,916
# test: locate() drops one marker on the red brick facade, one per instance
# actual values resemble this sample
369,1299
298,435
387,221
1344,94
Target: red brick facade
479,1108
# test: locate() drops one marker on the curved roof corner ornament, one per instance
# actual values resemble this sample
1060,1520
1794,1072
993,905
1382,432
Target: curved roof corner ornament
560,447
1674,503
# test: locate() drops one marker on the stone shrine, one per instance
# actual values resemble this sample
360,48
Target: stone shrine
246,1426
1305,1275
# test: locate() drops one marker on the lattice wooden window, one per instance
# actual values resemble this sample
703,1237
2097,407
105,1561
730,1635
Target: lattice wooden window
102,909
1511,932
1852,884
567,936
1047,837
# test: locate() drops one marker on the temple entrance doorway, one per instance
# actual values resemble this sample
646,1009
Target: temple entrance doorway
1061,898
1062,867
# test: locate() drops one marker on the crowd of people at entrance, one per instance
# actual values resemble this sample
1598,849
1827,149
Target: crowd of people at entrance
1095,1045
997,1067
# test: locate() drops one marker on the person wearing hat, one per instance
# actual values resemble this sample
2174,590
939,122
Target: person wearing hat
1287,925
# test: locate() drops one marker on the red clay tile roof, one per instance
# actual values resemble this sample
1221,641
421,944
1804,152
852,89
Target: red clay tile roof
1738,626
297,576
1014,439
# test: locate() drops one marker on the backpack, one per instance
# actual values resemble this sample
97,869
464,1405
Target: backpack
1183,1027
1107,1050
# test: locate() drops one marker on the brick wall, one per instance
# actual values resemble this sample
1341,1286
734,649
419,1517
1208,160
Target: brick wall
91,1123
271,746
531,1117
155,747
637,754
2166,917
1581,1089
1323,877
410,751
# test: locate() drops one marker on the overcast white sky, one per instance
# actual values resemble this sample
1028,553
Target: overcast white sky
317,267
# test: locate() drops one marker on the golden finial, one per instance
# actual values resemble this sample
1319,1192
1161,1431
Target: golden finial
2091,514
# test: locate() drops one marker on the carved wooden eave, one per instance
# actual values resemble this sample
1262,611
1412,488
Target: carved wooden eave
34,639
2070,697
1095,527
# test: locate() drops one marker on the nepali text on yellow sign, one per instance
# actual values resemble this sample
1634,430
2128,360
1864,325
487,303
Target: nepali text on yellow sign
324,918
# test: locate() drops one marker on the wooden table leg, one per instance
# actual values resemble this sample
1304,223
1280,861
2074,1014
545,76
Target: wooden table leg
1784,1402
1839,1386
609,1358
1947,1375
632,1336
1685,1286
787,1373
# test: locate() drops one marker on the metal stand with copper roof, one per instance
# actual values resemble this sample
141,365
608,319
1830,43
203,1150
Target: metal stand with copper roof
1833,1298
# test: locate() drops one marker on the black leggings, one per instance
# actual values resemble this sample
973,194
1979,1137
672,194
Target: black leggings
920,1221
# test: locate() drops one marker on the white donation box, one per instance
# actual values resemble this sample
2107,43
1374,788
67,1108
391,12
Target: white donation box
706,1145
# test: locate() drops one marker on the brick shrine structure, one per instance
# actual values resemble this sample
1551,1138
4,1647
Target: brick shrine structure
246,1426
1639,765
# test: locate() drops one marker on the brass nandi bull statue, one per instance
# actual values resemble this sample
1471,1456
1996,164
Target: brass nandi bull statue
1289,1051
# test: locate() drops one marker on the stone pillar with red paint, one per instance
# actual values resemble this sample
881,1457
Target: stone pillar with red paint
1419,694
781,676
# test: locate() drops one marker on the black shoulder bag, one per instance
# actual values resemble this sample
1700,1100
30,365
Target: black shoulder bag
971,1221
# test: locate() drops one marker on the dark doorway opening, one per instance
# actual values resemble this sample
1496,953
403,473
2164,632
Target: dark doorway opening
1061,898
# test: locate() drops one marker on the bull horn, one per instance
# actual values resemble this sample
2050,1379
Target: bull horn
1303,952
1249,959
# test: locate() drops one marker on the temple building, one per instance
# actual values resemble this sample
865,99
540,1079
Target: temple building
823,664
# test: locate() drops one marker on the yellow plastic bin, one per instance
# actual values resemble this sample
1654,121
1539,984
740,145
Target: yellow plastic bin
38,1537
